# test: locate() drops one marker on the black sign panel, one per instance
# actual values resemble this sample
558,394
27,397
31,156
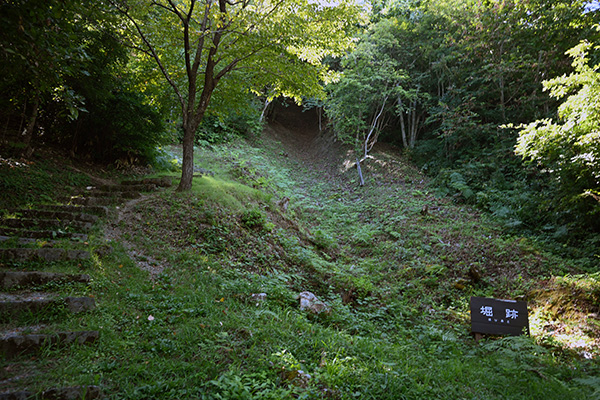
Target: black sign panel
499,317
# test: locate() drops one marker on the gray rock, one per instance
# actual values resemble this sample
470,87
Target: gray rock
310,302
80,304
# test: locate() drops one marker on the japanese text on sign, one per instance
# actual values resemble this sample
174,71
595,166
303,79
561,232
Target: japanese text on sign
498,316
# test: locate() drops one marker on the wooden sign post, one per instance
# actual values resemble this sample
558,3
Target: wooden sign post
499,317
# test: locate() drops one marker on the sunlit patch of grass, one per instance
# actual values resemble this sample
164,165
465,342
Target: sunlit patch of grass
226,193
566,314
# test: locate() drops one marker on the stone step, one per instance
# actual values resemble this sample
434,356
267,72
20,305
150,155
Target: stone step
25,234
15,304
44,254
127,188
12,279
23,241
90,201
100,211
67,393
15,344
116,194
61,215
164,181
45,224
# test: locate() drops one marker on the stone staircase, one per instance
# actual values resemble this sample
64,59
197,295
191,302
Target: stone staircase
43,255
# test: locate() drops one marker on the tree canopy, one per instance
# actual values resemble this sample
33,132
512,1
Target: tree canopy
277,45
448,81
568,148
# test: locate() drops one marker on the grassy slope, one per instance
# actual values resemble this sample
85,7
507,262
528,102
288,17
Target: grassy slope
397,280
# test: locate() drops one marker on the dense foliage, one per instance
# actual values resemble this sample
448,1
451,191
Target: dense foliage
65,81
569,150
260,46
449,81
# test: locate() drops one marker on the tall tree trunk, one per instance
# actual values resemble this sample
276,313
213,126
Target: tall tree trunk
502,97
191,121
414,124
264,110
187,165
373,129
320,112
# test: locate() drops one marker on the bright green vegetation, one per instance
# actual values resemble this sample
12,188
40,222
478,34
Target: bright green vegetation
458,84
397,282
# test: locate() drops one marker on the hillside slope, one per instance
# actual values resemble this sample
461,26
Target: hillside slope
198,293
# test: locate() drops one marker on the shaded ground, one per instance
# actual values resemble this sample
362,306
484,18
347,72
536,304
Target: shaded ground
298,132
564,311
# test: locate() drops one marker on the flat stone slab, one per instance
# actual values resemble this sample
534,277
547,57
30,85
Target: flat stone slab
100,211
35,303
92,201
140,187
62,215
46,224
164,181
12,279
16,344
118,195
42,234
67,393
80,304
44,254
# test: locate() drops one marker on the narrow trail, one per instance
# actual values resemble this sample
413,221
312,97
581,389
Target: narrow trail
298,132
127,218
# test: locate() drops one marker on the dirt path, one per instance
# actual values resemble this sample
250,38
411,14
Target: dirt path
127,218
298,132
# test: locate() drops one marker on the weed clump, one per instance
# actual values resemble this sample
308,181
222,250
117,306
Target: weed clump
253,219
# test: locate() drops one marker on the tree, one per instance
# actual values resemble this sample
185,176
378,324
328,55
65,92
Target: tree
197,43
362,102
569,148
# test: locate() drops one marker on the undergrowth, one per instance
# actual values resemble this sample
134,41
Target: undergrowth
394,264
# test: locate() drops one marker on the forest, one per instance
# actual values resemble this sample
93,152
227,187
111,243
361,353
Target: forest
496,100
469,135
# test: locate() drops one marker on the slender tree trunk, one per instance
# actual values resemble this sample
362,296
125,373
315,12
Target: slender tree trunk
23,116
187,165
264,110
28,134
360,175
502,98
320,112
414,125
373,128
402,126
191,121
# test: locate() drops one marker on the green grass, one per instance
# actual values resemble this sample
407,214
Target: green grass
39,181
398,326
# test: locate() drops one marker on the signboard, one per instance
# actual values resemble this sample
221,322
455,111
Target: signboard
499,317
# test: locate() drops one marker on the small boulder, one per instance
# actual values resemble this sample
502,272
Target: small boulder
259,297
310,302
